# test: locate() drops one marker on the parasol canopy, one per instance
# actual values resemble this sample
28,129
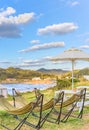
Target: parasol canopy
72,55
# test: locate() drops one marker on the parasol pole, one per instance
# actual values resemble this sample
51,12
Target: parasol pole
72,74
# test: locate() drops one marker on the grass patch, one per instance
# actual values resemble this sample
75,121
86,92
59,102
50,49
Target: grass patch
71,124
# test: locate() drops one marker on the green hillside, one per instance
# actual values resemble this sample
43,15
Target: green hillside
19,74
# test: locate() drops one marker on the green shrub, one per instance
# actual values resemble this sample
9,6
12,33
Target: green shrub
61,84
75,80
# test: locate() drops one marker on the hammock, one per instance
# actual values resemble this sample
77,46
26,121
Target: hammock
23,110
71,100
54,107
30,108
71,103
5,104
17,97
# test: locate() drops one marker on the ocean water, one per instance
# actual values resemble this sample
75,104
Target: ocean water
26,87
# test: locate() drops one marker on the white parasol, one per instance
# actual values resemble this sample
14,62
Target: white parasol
72,55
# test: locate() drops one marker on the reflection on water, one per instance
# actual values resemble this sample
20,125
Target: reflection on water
26,87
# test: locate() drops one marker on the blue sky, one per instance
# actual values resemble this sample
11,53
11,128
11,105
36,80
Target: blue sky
33,31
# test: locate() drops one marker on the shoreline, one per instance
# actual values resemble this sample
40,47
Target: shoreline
25,86
28,82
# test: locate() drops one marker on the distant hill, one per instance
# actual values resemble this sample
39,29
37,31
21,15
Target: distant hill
84,71
20,74
52,71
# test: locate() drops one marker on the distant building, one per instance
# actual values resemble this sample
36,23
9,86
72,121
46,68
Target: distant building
10,79
47,79
86,77
3,91
36,78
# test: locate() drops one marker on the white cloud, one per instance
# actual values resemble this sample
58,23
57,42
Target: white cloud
36,61
84,34
44,46
47,58
20,19
9,24
58,29
70,2
32,61
9,31
5,62
31,64
22,65
85,46
7,12
74,3
35,41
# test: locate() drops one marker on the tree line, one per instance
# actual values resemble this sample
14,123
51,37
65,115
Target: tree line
18,73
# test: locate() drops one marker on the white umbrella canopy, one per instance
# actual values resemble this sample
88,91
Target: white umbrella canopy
72,55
